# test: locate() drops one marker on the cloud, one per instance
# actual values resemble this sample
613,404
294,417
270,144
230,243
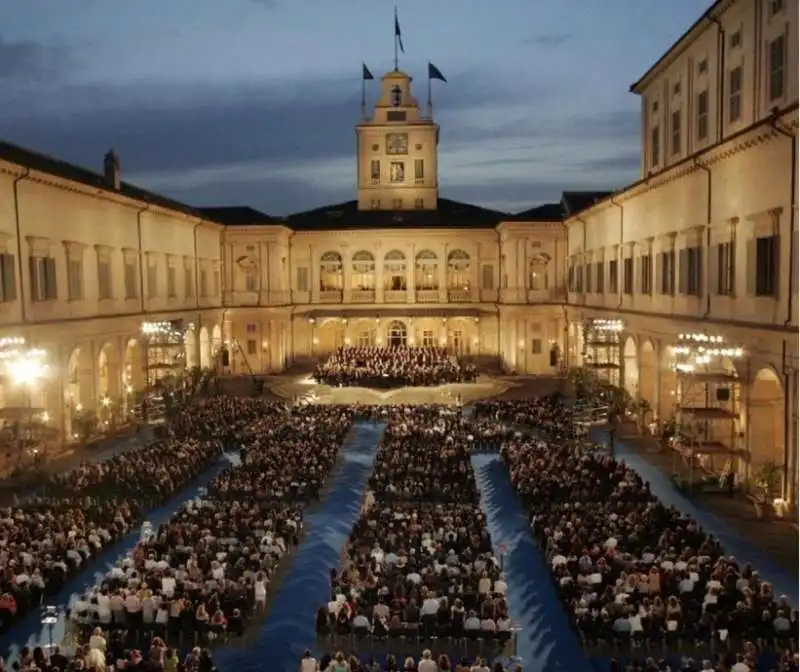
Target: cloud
549,41
26,61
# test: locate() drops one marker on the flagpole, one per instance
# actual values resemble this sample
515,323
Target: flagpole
394,28
363,94
430,100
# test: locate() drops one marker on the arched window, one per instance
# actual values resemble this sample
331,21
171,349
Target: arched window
397,334
331,277
363,270
458,271
426,271
394,271
539,278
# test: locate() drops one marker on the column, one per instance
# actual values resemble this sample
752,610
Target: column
443,276
313,274
411,274
347,266
520,284
379,268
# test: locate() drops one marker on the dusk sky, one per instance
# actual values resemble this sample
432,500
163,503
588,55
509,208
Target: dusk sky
252,102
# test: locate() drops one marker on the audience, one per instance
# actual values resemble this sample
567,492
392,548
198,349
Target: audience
393,367
420,568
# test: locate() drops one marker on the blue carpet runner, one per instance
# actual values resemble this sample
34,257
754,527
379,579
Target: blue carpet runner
290,625
30,632
547,642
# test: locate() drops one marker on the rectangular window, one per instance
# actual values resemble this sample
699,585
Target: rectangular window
104,279
397,203
252,347
536,346
251,281
419,203
763,257
188,281
171,282
579,279
152,281
676,89
735,95
487,277
217,279
666,262
75,279
587,277
43,279
725,268
131,277
251,328
203,282
655,146
777,68
613,276
676,132
397,172
627,276
690,269
570,279
302,279
736,39
646,274
375,171
428,339
702,67
599,277
702,115
419,171
8,278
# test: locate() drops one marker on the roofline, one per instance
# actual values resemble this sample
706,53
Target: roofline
692,158
678,47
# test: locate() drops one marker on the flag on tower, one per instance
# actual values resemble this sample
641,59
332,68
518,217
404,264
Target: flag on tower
435,73
365,73
398,36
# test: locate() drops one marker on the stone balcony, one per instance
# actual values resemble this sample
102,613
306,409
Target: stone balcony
395,296
427,296
459,295
330,296
362,296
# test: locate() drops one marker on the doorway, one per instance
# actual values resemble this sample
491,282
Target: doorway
398,335
458,344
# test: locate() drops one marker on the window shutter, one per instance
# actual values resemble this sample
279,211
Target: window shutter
50,278
34,278
714,285
752,270
9,278
683,270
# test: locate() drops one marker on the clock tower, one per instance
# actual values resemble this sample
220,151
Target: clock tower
397,151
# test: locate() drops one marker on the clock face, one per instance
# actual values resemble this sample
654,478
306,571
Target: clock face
397,143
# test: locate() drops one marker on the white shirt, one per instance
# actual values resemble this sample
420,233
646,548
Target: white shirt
308,665
427,665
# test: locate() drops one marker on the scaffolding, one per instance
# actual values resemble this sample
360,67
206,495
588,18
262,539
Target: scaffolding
602,349
165,351
708,434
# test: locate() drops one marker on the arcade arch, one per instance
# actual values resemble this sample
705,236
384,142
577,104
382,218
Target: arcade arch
365,334
397,335
767,417
190,343
133,368
109,372
648,365
668,386
216,340
458,337
631,367
330,336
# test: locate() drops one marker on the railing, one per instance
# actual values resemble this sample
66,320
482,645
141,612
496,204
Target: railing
362,296
330,296
395,296
552,295
427,296
459,296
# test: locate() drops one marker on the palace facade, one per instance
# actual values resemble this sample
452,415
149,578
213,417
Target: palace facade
704,244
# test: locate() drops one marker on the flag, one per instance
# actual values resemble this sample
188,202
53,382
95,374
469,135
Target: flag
365,73
397,34
435,73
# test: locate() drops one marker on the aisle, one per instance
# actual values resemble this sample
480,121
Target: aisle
29,631
546,642
289,627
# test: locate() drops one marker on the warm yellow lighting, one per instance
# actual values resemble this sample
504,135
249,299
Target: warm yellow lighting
45,417
106,402
129,389
79,407
27,367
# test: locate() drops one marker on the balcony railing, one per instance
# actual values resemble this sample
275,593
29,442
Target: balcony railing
330,296
395,296
427,296
459,296
552,295
362,296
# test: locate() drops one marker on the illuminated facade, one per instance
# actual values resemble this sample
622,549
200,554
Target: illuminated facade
704,243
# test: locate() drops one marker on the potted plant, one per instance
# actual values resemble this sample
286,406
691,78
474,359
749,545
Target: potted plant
767,488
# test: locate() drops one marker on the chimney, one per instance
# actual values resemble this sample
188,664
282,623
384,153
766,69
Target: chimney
111,169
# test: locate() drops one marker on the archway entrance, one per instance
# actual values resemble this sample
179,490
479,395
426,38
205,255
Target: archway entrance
330,337
216,340
457,342
631,367
133,373
766,420
647,374
108,372
668,387
190,342
397,335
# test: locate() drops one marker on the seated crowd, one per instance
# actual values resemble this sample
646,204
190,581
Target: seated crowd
49,536
419,569
393,367
628,568
203,573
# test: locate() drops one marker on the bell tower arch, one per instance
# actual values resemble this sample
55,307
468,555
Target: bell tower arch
397,151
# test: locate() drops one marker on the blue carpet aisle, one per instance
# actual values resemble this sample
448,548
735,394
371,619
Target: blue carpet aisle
29,631
290,625
783,581
546,642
